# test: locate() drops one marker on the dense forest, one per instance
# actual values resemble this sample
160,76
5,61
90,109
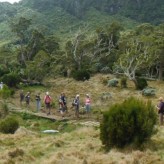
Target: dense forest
78,38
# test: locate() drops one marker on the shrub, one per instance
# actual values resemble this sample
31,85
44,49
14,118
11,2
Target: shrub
148,92
6,92
4,110
123,82
11,79
141,83
131,122
9,125
112,83
81,75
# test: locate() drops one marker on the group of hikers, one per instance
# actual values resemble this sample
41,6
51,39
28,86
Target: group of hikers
62,102
63,109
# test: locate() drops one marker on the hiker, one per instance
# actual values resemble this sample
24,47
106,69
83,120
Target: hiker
27,99
76,105
47,101
160,108
21,95
87,105
38,102
1,85
63,97
61,105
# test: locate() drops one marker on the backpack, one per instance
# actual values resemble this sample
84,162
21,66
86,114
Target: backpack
27,98
47,99
74,102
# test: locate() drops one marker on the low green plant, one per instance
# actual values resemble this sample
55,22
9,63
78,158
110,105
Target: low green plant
112,83
148,92
4,110
6,92
81,75
131,122
9,125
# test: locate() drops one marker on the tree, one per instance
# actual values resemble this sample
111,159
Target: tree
106,46
134,54
39,67
51,44
78,49
159,49
20,28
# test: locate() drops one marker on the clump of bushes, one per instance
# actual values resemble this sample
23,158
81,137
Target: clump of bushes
141,83
6,92
112,83
81,75
11,79
131,122
9,125
4,110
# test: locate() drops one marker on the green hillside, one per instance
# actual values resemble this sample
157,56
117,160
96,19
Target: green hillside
90,35
62,16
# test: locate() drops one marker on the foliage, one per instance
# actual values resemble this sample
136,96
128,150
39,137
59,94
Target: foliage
94,32
81,75
11,79
148,91
6,92
123,82
9,125
138,10
112,83
137,49
131,122
141,83
4,110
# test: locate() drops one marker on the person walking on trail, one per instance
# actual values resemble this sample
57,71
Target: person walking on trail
88,105
27,99
22,96
77,105
61,105
160,108
47,101
38,102
64,100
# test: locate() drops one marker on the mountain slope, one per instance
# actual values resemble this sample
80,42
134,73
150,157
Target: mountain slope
59,17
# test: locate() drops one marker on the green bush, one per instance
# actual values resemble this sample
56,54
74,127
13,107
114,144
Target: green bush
131,122
11,79
6,92
112,83
123,82
4,110
9,125
81,75
141,83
